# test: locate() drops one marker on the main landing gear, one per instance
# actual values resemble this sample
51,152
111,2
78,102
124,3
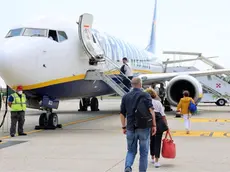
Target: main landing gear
85,102
48,120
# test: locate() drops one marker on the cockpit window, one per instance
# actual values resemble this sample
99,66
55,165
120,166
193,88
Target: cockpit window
35,32
54,35
62,36
14,32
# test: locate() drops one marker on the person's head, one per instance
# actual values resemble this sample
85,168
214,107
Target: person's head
19,89
136,82
125,60
186,93
152,92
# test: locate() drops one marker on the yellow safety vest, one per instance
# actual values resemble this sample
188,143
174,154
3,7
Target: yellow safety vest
19,104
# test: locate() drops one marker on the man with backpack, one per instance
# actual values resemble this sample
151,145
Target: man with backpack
186,106
138,120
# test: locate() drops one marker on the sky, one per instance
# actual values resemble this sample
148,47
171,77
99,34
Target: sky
181,25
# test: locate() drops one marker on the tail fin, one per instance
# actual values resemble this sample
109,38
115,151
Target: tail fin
152,41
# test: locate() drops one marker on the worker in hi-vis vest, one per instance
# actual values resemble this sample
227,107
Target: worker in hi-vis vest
17,103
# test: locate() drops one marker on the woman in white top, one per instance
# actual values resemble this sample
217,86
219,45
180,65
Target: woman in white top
155,143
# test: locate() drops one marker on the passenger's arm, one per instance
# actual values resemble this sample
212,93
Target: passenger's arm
123,115
154,128
150,106
193,101
122,120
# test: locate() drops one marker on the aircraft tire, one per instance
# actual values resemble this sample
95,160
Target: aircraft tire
94,104
83,106
53,120
43,121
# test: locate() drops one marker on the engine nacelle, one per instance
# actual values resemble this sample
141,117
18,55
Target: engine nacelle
178,84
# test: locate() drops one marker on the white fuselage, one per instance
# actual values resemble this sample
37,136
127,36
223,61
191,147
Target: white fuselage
37,62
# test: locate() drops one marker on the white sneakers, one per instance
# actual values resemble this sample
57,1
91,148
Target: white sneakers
156,164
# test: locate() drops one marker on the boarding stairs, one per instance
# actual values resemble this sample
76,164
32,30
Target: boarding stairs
111,75
102,67
214,65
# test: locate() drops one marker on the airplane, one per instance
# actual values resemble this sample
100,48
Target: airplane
51,59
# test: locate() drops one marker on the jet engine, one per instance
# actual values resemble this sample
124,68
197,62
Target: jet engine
176,86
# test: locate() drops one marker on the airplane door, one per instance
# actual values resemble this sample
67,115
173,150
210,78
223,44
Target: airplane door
89,43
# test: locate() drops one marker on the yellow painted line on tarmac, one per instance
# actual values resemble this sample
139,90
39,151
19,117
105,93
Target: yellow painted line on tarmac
220,134
64,125
207,120
85,120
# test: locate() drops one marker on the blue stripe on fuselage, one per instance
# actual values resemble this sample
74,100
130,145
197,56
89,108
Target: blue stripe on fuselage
73,89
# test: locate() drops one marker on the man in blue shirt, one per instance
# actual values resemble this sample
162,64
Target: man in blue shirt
134,134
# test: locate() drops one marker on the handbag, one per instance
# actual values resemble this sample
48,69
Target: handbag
168,147
160,124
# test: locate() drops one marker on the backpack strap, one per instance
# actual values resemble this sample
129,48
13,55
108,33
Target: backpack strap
138,100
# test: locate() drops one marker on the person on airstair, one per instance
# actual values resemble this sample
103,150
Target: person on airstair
126,69
183,108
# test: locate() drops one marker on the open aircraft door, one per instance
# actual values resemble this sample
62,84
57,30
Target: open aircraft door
89,43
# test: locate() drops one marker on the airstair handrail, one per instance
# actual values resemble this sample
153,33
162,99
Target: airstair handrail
215,66
115,76
211,63
118,87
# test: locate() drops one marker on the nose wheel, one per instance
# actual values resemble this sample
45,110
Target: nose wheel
48,121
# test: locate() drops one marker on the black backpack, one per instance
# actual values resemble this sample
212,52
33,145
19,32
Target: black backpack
143,117
123,69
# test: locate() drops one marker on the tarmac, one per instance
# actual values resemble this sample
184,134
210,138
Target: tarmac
93,142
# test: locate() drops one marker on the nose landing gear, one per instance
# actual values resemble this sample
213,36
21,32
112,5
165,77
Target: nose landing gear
48,120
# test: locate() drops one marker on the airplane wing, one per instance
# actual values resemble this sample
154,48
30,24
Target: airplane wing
151,78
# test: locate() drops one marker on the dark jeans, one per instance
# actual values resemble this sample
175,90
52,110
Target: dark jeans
155,145
17,117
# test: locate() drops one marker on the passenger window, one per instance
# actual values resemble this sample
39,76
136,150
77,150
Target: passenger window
53,35
62,36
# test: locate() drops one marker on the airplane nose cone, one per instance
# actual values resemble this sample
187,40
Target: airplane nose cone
18,57
10,66
2,60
